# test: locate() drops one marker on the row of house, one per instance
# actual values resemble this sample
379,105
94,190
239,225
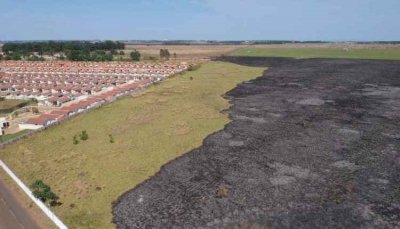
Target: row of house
58,82
83,105
54,67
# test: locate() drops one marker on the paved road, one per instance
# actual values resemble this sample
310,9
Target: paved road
12,214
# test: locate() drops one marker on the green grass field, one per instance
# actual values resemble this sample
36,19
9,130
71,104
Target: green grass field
7,137
150,129
358,53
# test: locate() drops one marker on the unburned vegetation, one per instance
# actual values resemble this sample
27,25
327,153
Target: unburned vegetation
126,142
329,50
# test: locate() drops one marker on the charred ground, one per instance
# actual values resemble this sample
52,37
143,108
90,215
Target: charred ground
313,143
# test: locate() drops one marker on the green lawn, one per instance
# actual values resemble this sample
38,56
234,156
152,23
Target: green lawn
358,53
164,122
7,137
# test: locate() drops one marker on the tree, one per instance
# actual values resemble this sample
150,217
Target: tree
164,54
167,54
43,191
135,55
175,55
35,110
121,53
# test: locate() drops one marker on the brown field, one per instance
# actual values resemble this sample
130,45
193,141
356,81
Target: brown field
185,51
10,103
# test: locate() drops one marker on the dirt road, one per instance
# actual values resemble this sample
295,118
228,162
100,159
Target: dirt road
312,144
12,214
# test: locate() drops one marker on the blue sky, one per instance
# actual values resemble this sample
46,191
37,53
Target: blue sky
335,20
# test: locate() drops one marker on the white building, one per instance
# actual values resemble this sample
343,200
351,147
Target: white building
3,125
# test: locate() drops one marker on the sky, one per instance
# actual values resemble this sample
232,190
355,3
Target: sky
333,20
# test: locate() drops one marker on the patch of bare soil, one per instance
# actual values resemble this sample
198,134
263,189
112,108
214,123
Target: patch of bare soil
312,144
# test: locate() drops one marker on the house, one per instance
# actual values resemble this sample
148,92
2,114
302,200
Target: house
4,124
39,122
58,101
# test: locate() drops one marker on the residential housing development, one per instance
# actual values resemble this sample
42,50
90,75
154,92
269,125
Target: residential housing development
73,87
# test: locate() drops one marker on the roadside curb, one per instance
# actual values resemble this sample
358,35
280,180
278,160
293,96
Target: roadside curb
28,192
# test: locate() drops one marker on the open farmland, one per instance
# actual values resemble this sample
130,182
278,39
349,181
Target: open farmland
185,51
313,143
389,52
149,129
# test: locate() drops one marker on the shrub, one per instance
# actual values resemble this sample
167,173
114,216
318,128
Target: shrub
221,192
193,67
43,192
35,110
75,140
84,136
111,138
135,55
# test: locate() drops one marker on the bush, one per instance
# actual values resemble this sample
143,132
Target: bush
135,55
75,140
111,138
84,136
193,67
221,192
43,192
152,58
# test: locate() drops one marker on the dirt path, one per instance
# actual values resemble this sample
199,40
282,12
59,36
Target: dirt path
313,144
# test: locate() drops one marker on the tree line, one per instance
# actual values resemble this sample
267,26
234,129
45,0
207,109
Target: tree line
51,47
71,50
83,55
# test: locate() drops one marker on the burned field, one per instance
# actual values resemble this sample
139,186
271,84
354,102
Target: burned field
313,143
